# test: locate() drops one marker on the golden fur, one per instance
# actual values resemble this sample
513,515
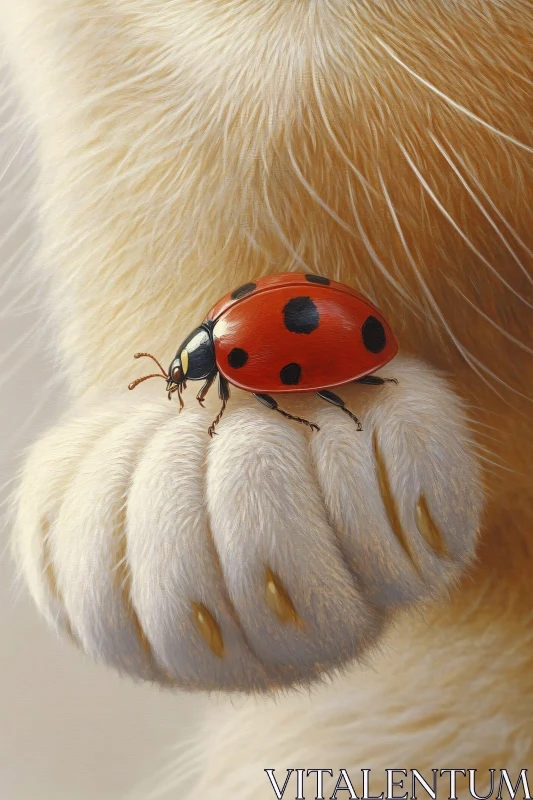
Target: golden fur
187,147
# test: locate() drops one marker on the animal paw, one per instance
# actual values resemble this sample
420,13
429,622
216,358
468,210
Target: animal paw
257,559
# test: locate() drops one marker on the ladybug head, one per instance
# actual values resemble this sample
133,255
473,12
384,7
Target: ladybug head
175,377
178,368
195,359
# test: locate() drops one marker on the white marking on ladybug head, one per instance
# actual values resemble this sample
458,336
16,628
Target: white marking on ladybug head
184,358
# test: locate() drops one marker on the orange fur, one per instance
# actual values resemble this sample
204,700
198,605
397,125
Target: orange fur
189,147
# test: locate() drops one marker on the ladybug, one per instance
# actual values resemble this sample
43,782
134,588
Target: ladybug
292,332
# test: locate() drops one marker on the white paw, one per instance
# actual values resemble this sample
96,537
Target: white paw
257,559
405,497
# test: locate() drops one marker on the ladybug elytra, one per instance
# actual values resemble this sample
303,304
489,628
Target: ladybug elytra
285,333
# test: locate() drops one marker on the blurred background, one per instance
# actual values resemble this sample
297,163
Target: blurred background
69,730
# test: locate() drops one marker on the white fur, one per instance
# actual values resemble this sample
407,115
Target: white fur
404,712
424,440
306,506
185,148
49,469
173,562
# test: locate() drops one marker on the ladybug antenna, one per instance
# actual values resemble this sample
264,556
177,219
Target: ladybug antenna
149,355
133,384
162,374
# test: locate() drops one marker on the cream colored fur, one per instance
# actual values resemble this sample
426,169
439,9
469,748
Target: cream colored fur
187,147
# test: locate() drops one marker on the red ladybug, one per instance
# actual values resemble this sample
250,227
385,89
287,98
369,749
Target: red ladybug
286,333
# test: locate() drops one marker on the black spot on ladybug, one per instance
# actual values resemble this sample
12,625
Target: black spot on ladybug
301,315
318,279
242,290
237,357
290,374
374,338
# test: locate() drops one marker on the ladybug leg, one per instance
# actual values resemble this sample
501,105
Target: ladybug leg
375,380
338,401
223,393
269,402
205,388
